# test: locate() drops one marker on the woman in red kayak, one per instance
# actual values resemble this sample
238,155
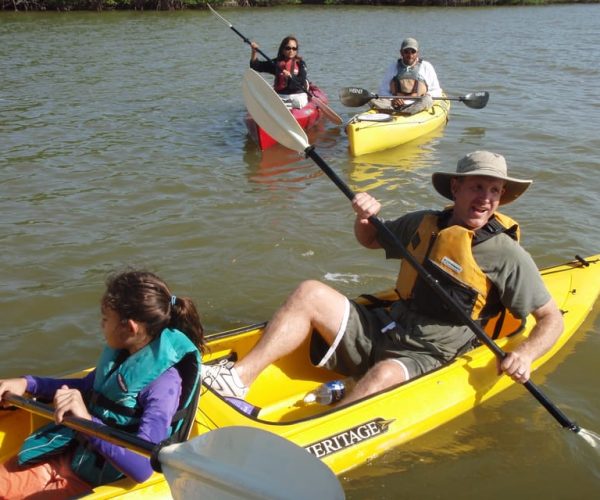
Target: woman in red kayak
288,67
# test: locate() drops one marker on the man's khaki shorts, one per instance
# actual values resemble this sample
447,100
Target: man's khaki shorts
370,336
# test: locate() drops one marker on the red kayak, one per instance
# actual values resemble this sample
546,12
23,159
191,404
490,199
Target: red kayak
306,116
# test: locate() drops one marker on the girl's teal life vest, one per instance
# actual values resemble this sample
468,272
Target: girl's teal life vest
118,380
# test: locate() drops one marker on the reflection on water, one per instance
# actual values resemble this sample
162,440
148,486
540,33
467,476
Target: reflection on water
282,168
470,133
386,168
276,165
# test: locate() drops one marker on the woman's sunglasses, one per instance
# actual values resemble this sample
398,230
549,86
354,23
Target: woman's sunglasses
288,47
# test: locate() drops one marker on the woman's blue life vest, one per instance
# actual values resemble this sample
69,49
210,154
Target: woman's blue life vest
118,380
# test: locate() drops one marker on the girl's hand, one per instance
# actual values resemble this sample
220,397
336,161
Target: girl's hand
69,402
17,386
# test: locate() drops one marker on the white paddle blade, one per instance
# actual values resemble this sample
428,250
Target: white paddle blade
268,110
243,462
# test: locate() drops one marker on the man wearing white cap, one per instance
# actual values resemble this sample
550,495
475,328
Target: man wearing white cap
409,76
469,247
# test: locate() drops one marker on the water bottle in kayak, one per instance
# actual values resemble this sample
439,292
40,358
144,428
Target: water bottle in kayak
329,392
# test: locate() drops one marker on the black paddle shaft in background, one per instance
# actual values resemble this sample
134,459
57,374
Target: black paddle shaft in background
327,111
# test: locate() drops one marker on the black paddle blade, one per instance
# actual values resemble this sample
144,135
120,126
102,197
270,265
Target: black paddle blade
476,100
354,97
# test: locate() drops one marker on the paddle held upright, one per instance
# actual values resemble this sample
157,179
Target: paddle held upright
272,115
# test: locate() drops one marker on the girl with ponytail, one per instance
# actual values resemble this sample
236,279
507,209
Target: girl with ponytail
146,382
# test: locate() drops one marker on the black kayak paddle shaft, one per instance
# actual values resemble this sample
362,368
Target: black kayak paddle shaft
433,283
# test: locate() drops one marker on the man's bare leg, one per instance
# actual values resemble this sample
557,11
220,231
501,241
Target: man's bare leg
381,376
311,306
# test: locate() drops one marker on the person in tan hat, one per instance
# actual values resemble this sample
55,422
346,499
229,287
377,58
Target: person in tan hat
470,248
481,163
409,76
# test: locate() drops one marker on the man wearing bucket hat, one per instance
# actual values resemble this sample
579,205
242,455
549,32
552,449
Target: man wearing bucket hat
473,252
409,76
485,164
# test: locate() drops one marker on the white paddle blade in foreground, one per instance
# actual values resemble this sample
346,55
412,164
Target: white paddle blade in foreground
243,462
268,110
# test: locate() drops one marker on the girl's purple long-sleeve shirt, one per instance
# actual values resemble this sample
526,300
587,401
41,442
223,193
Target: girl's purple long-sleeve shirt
159,401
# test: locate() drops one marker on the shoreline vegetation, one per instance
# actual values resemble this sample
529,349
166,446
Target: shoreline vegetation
170,5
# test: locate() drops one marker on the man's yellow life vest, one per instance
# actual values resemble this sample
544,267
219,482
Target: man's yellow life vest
446,252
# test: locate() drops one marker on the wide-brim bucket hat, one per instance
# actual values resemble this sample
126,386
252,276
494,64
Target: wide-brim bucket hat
482,163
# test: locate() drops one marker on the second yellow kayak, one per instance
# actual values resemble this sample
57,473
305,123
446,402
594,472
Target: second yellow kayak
372,131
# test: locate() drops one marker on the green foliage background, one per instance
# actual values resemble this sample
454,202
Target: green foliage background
100,5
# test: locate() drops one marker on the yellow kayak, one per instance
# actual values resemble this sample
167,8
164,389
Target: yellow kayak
373,131
348,436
